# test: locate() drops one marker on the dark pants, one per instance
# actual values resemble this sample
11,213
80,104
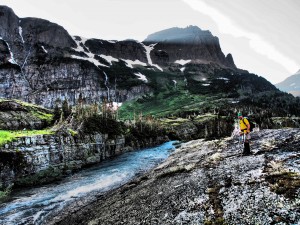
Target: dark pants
246,148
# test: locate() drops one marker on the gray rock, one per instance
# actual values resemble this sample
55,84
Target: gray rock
208,182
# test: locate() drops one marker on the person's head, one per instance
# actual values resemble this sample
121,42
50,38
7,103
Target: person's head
240,116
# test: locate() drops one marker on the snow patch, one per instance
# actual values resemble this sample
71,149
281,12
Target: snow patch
148,51
182,69
158,67
20,32
130,63
90,59
12,59
141,77
182,61
79,48
109,58
44,49
205,84
223,78
91,56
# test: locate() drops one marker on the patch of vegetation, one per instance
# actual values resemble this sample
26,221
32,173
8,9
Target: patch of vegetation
105,125
284,183
7,136
73,132
4,194
163,104
47,117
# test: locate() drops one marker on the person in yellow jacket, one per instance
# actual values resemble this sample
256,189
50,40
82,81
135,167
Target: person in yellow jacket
245,131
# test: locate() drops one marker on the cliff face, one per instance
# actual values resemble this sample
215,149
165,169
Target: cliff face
30,155
34,159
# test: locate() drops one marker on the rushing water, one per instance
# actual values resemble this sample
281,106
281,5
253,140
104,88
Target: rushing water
33,205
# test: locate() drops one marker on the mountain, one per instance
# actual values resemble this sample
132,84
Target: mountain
174,70
291,84
187,43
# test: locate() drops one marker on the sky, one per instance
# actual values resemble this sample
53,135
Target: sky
261,35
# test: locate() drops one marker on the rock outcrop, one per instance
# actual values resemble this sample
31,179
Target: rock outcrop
51,156
208,183
16,115
62,152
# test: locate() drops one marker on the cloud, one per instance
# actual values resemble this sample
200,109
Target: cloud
256,42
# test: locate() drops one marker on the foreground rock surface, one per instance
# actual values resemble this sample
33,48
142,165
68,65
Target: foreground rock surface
207,182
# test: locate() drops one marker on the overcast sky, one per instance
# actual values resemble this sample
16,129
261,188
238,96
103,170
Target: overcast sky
262,35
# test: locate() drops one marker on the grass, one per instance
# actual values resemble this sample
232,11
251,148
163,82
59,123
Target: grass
4,194
163,104
7,136
43,116
35,110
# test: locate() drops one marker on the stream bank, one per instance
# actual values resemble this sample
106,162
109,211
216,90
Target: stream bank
36,205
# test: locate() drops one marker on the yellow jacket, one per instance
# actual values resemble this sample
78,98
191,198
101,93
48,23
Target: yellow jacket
244,123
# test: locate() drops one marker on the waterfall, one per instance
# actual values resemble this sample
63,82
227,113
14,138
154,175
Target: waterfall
106,85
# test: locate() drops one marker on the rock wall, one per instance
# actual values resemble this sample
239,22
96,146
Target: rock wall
43,155
30,155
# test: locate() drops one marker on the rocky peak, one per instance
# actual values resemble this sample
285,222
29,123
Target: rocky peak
190,43
229,61
8,22
190,34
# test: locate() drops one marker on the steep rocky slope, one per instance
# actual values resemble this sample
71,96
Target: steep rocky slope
207,183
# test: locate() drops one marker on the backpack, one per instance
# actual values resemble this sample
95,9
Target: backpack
252,125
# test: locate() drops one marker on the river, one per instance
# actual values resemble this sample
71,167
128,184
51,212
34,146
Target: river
35,205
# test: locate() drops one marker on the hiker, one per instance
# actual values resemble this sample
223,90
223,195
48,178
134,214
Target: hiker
245,131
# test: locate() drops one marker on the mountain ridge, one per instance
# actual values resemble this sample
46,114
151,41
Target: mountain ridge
291,84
